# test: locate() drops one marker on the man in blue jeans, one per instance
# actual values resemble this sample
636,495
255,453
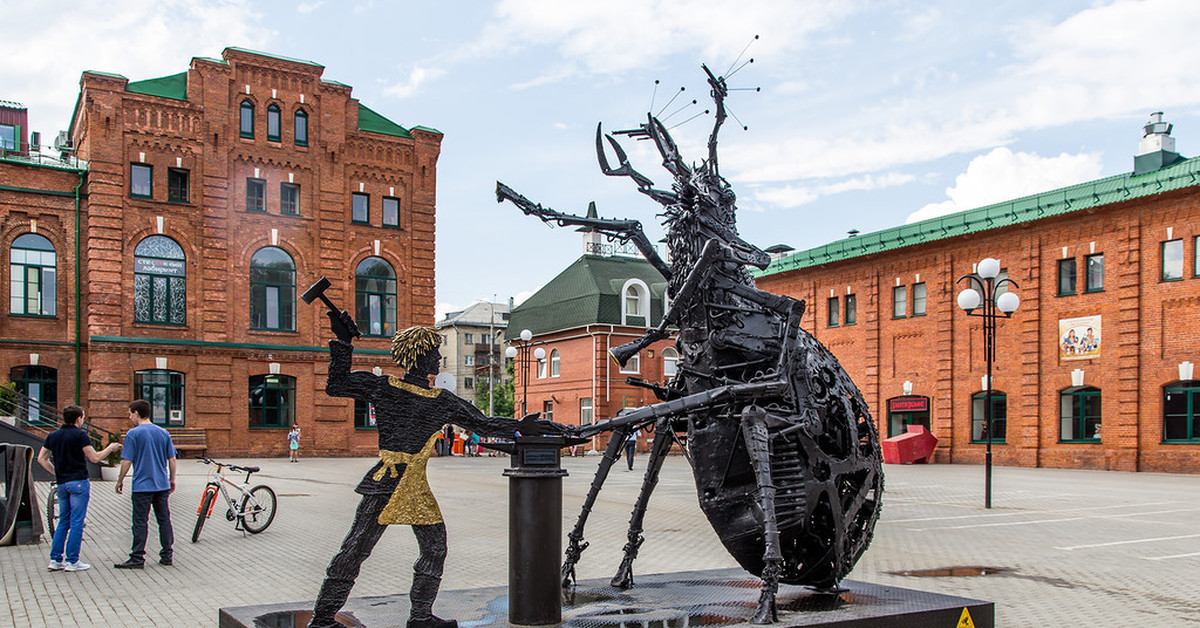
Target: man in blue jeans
148,449
71,447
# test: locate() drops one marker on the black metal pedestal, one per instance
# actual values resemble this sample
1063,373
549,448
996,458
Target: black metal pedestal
535,530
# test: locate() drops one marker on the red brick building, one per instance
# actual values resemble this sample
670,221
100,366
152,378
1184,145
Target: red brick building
1118,258
600,301
209,201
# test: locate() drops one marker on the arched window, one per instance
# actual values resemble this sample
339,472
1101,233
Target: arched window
635,308
1181,412
375,297
1079,414
670,361
301,128
554,363
32,275
159,282
273,123
246,119
272,400
272,290
40,385
164,390
979,417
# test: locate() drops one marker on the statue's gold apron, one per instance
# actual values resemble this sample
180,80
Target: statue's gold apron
412,502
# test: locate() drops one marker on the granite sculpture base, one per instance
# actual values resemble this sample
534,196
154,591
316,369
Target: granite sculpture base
723,597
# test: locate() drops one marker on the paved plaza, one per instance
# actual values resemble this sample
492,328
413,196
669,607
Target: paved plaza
1078,547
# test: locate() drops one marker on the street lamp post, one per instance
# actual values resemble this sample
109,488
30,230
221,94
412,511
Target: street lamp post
522,349
982,286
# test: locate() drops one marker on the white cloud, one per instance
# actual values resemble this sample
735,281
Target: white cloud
140,39
409,86
309,7
622,35
1097,64
1003,175
794,195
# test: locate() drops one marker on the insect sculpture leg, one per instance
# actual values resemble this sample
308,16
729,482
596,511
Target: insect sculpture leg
575,542
658,452
754,430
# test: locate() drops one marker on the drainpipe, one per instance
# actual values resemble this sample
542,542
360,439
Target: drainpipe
78,291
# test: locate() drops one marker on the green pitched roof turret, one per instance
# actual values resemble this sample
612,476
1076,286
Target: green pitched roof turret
587,292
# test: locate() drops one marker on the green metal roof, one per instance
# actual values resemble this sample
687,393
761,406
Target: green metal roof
586,293
1084,196
370,121
428,129
274,56
173,87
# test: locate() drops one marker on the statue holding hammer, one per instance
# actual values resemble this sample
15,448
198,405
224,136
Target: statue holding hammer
408,414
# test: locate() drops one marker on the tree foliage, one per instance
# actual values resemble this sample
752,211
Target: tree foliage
502,391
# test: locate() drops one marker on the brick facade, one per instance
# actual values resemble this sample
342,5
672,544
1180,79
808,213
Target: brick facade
1149,327
117,124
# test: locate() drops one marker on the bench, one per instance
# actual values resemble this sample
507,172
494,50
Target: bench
189,442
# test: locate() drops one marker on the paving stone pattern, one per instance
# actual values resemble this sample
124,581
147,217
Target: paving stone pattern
1083,547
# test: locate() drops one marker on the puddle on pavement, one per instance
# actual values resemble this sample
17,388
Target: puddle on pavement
954,572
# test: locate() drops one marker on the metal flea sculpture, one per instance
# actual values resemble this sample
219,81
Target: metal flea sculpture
784,452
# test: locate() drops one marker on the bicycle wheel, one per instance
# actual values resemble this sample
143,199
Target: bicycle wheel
51,509
258,509
202,514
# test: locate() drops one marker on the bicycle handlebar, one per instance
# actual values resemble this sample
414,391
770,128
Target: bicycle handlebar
232,467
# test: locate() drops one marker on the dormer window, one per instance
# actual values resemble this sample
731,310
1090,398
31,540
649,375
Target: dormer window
635,310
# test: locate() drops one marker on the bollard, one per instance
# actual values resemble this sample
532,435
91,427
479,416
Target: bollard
535,530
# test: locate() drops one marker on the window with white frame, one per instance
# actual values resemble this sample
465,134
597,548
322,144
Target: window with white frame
670,362
585,411
633,365
635,308
554,363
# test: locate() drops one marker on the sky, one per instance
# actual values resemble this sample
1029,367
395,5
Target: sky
867,113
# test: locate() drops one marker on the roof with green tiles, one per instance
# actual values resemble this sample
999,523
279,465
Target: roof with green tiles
173,87
587,292
1084,196
369,120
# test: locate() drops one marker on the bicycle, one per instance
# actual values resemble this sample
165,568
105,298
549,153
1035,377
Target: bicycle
254,508
51,508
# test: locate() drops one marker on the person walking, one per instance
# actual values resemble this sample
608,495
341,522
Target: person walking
293,438
631,447
150,452
70,447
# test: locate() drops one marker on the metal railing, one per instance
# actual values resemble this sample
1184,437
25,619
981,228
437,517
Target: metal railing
38,418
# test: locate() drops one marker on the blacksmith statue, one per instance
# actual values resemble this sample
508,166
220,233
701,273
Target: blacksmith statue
409,414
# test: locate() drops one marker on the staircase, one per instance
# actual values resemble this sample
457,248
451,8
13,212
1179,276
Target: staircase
26,421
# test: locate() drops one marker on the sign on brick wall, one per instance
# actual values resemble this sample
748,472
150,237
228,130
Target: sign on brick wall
1079,338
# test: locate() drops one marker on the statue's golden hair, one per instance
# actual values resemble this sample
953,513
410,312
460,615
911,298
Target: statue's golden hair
410,344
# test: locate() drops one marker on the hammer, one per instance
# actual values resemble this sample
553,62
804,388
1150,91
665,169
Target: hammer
317,291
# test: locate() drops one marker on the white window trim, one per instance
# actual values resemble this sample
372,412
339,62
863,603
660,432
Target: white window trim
633,365
643,298
555,363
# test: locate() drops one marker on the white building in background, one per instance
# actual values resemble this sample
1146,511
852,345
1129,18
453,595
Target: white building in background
472,347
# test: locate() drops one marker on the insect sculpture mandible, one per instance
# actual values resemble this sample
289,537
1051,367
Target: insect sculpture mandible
783,449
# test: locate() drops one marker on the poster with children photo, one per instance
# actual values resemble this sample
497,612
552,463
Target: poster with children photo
1079,338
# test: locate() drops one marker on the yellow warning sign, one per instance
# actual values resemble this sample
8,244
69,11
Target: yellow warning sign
964,621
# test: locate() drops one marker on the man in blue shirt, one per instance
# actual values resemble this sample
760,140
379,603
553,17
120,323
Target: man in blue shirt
148,449
71,447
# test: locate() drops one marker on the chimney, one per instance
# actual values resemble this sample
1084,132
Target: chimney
1156,149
